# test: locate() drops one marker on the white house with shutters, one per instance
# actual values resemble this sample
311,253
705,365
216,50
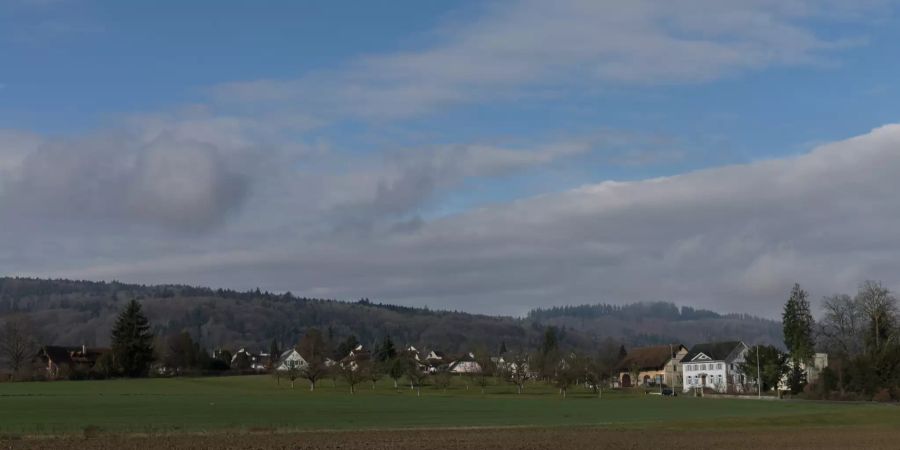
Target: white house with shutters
714,365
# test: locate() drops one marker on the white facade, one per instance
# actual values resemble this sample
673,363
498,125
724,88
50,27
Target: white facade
700,370
291,359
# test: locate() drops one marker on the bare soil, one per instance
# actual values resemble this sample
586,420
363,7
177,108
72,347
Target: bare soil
505,438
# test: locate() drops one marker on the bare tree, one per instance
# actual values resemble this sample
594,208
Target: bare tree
486,369
356,368
591,372
880,308
842,331
293,370
416,374
517,370
566,374
375,372
397,369
312,348
442,380
18,343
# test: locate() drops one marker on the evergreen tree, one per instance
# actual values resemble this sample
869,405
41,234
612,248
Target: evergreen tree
387,350
132,342
274,353
551,342
798,335
503,349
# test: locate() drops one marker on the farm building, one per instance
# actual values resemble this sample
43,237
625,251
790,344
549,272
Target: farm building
652,366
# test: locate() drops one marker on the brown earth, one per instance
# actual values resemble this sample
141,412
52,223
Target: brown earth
507,438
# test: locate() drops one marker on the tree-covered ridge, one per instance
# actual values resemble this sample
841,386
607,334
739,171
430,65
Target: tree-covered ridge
79,312
655,310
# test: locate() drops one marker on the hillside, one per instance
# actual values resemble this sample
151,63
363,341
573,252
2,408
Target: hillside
655,323
82,312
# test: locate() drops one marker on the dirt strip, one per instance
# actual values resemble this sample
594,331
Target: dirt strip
525,438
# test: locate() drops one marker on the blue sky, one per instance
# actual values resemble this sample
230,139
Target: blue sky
331,122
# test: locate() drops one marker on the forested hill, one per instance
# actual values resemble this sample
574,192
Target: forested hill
660,322
81,312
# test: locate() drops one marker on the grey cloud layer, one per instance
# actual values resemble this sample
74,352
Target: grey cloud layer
151,176
732,238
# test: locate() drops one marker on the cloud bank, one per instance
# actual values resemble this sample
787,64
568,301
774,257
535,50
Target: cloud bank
733,238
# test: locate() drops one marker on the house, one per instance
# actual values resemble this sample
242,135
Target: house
652,366
355,357
412,352
62,361
435,360
257,361
290,360
813,371
465,364
714,365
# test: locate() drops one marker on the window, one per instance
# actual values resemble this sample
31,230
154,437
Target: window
702,366
719,367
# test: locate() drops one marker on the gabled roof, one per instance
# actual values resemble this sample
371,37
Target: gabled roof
712,351
649,358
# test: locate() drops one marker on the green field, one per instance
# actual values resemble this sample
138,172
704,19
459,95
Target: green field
254,403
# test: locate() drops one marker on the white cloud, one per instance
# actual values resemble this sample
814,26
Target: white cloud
572,45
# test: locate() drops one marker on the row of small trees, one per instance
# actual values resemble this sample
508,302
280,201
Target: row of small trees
548,363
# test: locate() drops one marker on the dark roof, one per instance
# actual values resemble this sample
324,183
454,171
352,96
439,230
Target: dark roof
718,351
648,358
58,355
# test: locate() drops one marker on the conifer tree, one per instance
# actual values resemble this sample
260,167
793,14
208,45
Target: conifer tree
798,335
132,342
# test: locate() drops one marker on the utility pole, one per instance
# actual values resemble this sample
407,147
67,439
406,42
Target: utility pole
758,380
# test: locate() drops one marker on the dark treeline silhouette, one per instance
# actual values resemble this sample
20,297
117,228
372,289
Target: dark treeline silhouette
656,310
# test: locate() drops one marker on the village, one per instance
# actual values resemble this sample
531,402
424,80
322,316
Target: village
669,369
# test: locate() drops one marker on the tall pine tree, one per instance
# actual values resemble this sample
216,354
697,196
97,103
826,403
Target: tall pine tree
132,342
798,335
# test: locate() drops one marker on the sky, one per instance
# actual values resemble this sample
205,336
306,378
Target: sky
490,157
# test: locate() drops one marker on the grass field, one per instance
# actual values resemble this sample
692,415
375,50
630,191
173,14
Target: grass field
257,403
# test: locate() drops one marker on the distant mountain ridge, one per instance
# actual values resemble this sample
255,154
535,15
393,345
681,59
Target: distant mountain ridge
82,312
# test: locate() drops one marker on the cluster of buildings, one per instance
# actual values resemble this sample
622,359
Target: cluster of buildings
712,365
433,361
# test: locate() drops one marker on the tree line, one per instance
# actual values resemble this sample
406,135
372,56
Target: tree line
859,334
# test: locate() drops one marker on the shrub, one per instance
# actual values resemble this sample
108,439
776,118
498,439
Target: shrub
884,395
